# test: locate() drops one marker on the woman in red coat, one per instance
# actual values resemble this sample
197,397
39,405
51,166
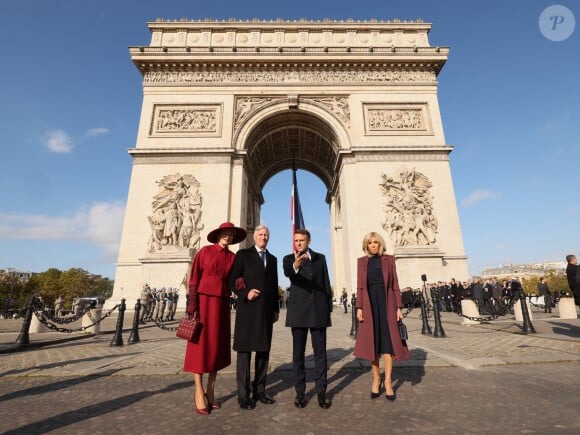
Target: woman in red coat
209,300
378,308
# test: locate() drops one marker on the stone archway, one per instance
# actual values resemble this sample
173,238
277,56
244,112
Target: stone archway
226,105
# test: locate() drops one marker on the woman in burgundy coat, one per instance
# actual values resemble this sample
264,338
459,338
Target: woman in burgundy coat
378,308
209,300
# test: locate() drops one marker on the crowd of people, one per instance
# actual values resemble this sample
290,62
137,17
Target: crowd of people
490,295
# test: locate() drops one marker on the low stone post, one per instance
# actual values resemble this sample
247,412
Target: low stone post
469,309
134,336
118,337
518,311
35,325
567,309
95,316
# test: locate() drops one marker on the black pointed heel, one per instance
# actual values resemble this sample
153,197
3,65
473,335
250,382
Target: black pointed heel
375,395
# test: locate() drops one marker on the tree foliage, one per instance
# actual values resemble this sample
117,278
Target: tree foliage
50,285
556,282
13,293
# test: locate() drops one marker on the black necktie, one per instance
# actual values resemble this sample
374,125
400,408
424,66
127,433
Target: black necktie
263,257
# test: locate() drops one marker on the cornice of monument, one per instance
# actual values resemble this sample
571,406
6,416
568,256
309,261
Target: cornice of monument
256,23
239,52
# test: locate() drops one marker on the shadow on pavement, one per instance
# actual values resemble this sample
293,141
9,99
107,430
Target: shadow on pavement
98,409
565,329
344,377
53,386
413,375
59,364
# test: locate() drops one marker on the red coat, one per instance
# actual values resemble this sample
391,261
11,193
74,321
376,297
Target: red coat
209,276
365,343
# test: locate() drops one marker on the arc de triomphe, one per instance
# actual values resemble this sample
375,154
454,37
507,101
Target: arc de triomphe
226,104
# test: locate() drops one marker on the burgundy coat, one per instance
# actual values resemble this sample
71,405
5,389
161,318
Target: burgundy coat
365,342
208,281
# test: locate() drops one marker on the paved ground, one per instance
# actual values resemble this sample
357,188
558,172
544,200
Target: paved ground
482,379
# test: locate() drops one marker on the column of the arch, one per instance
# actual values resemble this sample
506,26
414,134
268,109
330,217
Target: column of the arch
337,252
237,209
349,225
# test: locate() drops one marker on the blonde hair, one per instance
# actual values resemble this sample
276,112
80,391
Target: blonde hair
366,240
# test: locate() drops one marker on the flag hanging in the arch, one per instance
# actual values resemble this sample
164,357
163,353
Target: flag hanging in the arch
295,209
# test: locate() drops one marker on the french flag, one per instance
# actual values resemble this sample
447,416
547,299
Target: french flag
295,209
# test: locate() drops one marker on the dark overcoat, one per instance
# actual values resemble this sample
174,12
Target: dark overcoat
254,319
365,341
573,275
310,301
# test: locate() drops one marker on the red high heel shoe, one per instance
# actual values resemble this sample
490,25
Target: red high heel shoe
202,411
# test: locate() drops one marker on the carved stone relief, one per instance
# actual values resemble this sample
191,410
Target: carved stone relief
269,76
186,119
176,215
245,105
389,119
336,105
408,207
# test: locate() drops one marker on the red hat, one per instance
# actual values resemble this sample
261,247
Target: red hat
238,237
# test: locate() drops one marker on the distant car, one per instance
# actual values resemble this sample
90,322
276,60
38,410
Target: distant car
91,302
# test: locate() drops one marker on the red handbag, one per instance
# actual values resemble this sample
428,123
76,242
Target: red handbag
189,329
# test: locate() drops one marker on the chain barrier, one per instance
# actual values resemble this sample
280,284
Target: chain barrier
502,311
43,318
171,328
61,320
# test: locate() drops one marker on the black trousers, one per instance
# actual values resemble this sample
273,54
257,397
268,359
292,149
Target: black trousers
243,373
548,303
318,338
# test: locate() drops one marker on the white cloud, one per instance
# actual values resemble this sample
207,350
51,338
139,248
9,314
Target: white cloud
57,141
480,195
94,132
100,225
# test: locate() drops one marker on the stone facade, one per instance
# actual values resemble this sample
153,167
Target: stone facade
226,104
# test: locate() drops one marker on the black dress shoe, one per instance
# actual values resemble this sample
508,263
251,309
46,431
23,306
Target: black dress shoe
247,404
300,400
264,398
323,401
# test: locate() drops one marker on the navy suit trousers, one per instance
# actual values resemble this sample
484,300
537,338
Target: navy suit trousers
318,338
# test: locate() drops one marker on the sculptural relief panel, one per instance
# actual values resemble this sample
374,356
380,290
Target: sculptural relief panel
397,119
186,120
408,208
175,220
244,106
271,76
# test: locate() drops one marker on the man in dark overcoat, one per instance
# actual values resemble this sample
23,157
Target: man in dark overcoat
254,280
544,291
308,309
573,275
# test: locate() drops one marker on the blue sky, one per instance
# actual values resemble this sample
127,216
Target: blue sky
71,101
